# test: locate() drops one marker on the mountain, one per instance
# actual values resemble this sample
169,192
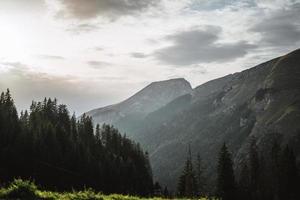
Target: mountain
261,102
124,115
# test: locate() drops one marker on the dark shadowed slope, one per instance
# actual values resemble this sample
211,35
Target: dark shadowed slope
259,102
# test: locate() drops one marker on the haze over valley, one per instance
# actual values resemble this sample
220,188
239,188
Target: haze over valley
150,99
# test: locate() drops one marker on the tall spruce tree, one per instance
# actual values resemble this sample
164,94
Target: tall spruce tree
275,169
244,191
249,183
200,179
289,180
226,187
187,183
254,170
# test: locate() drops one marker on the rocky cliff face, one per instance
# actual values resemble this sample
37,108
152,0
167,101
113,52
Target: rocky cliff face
124,115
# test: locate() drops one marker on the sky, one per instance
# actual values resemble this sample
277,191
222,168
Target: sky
92,53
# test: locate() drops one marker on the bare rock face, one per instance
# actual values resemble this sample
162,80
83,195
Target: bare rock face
125,114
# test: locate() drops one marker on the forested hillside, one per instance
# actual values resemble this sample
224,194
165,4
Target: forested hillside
272,175
59,152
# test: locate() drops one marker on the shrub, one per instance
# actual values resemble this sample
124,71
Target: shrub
19,189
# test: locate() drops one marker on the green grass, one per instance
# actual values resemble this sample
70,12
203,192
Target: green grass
27,190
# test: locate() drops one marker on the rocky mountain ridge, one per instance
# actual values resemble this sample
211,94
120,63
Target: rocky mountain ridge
147,100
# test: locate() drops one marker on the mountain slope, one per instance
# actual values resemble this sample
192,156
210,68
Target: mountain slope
165,117
263,101
124,115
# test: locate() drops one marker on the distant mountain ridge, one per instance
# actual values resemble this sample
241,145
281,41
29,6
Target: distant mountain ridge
261,102
147,100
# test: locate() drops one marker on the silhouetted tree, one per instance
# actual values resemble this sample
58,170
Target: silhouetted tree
61,152
166,192
275,168
157,189
226,187
254,170
275,177
288,177
200,179
244,183
187,184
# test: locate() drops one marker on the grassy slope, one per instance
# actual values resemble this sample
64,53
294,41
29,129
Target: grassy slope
20,189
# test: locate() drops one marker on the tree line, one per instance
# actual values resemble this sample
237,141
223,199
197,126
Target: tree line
272,175
60,152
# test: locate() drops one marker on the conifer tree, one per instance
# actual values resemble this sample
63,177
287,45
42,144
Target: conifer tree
244,183
61,153
201,183
157,189
166,192
187,184
226,187
275,168
289,180
97,133
254,170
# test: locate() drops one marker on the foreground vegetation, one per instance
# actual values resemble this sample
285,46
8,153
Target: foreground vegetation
20,189
62,152
272,175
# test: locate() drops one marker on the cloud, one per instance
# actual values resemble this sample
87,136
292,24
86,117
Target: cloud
14,65
50,57
280,28
200,46
209,5
275,4
18,5
98,64
99,49
82,28
87,9
138,55
27,85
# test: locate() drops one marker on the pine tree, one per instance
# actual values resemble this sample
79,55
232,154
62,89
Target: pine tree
226,187
289,180
254,170
62,153
275,168
97,133
166,192
157,189
74,131
187,184
244,183
201,183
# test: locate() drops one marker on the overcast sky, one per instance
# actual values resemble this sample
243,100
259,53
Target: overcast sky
91,53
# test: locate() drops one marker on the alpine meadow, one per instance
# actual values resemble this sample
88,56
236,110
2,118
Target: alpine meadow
150,99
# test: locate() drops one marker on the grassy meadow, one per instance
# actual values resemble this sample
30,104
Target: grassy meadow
27,190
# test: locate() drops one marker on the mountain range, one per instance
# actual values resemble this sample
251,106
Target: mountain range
168,116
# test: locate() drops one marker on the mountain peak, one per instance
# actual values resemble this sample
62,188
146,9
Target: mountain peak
182,80
152,97
163,91
170,83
